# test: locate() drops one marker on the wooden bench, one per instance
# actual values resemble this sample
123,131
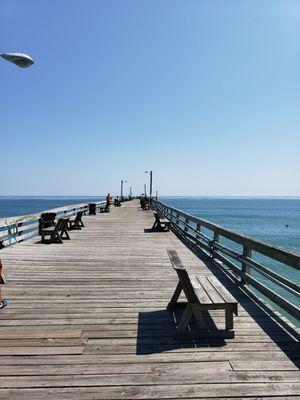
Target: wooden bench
203,293
76,223
160,224
58,232
104,208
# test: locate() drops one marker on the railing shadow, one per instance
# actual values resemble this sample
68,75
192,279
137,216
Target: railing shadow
284,340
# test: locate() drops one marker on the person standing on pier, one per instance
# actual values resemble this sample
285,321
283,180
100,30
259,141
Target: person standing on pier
3,302
108,202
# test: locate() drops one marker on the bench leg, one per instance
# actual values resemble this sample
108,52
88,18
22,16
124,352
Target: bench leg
199,316
56,238
159,226
66,235
185,319
228,319
175,297
154,227
77,225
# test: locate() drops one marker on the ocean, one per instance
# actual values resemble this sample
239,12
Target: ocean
15,206
272,220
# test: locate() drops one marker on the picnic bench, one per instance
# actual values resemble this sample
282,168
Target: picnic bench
57,233
76,222
160,224
146,206
104,208
203,293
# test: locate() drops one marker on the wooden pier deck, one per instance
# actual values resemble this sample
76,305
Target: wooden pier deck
87,319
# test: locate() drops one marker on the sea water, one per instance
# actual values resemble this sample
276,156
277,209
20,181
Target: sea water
273,220
16,206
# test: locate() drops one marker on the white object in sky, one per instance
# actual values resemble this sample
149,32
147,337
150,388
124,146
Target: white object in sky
20,59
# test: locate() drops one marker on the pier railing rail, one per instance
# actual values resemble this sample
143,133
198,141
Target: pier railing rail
236,255
19,228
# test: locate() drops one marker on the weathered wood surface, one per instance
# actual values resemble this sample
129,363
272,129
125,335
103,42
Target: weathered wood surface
87,319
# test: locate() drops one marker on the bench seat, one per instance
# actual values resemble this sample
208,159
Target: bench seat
160,224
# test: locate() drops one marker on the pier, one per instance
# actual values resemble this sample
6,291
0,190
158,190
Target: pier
87,319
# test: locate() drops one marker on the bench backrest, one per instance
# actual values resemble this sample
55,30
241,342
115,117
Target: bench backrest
183,276
156,217
61,225
79,216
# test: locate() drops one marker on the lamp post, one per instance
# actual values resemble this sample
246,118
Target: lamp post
122,183
145,191
20,59
150,192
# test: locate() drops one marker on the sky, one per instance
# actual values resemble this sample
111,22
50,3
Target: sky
206,93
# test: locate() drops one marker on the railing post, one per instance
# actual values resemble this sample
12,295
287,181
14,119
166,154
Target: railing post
186,222
247,252
198,229
216,239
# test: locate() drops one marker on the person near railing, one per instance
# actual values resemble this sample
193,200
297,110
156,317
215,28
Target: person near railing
108,202
3,302
117,202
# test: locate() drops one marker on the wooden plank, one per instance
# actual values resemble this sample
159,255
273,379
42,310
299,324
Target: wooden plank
107,369
203,391
126,379
210,290
228,298
200,291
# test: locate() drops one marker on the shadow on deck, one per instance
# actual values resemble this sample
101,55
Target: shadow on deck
156,333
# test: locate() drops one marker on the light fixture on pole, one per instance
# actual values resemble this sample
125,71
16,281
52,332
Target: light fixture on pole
150,193
122,183
20,59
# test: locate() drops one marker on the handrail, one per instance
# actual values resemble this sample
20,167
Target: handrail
239,263
17,229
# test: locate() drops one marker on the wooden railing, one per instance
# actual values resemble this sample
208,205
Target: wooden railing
235,252
17,229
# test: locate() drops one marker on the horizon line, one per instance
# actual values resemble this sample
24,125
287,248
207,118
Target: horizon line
181,196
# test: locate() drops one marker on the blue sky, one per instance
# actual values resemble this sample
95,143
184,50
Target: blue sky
203,92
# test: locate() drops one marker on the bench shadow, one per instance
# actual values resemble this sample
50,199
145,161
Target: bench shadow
156,332
268,321
149,230
46,242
